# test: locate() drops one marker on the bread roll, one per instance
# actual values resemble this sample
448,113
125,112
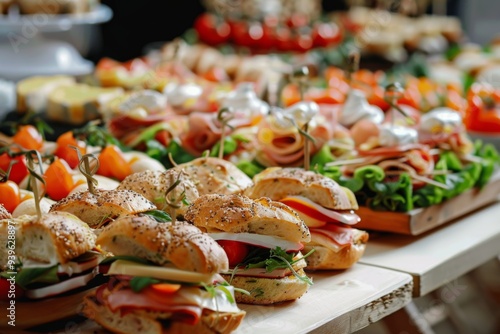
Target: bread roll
180,244
144,322
324,258
238,213
278,183
94,209
153,185
215,176
56,237
265,291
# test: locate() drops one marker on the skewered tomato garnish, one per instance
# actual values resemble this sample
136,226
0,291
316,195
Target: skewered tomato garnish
10,196
59,181
28,137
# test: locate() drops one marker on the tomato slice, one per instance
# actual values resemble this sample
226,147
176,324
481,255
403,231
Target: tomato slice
113,164
59,181
6,290
320,218
19,170
28,137
236,251
10,195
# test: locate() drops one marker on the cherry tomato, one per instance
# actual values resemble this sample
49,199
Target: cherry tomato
326,34
240,34
19,170
113,163
302,42
297,20
6,290
212,30
28,137
326,96
65,152
10,195
59,181
236,251
284,41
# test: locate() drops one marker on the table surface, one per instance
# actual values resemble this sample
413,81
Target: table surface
439,257
337,302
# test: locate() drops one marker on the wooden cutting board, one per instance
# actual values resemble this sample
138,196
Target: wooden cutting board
421,220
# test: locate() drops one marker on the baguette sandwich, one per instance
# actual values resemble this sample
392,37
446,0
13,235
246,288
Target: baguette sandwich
171,191
163,279
215,176
48,256
263,240
103,206
327,208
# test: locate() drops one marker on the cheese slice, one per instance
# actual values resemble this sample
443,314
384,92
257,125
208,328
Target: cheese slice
32,92
79,103
267,241
121,267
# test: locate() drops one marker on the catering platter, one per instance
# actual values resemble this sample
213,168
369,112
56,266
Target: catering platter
421,220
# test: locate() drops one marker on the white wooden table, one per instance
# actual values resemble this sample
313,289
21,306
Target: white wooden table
440,256
341,302
338,302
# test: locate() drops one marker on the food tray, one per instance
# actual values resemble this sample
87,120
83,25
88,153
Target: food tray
421,220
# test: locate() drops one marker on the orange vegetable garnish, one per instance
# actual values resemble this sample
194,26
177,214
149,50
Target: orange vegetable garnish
10,195
65,152
28,137
113,164
165,288
59,181
19,170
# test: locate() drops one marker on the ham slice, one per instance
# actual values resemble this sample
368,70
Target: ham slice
340,235
127,299
202,134
285,147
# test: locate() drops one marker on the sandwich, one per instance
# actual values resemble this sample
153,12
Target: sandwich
163,279
263,240
327,208
48,255
215,176
101,207
171,191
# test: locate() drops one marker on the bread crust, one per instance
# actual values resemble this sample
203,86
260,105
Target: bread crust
265,291
280,182
104,204
324,258
238,214
56,237
181,244
153,185
215,176
146,322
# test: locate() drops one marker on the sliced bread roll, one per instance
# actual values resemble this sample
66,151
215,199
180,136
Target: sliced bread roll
179,244
238,214
215,176
103,205
56,237
278,183
154,185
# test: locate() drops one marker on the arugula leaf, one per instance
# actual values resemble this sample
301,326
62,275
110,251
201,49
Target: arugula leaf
250,168
322,157
230,145
138,283
159,216
27,276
